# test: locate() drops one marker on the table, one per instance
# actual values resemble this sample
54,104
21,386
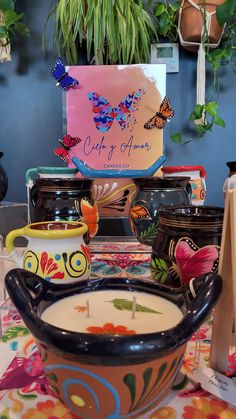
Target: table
24,392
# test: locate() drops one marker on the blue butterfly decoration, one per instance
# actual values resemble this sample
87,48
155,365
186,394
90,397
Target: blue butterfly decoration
59,73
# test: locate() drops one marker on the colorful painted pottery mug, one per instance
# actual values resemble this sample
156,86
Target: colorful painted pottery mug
109,364
151,194
187,243
197,176
56,250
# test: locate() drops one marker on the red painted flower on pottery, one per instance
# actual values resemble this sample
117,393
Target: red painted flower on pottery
81,309
192,261
110,329
48,266
200,334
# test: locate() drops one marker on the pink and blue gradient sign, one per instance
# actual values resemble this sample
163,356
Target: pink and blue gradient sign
108,111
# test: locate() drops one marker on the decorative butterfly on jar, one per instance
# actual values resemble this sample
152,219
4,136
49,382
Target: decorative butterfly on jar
161,117
59,73
67,142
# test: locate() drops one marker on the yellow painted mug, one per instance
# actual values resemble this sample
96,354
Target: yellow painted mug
56,250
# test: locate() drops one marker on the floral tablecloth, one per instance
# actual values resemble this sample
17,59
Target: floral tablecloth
25,393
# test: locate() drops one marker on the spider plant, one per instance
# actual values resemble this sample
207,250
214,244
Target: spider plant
116,31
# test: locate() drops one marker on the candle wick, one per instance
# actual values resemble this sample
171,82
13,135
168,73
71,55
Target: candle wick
133,308
88,310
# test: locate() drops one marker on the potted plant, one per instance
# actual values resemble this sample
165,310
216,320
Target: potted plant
188,24
116,32
10,24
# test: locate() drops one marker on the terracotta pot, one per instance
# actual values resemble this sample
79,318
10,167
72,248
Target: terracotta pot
191,23
111,375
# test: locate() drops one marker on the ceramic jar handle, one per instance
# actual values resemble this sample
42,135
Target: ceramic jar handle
207,288
29,173
10,238
25,289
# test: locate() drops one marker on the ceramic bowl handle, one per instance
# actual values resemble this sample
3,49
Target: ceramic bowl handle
29,173
25,290
202,294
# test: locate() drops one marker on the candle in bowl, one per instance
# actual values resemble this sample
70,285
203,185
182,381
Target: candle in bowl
103,359
110,312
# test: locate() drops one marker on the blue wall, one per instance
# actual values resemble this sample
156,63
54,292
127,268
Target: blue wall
31,113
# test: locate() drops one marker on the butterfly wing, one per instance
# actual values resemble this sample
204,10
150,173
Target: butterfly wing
67,81
62,153
193,261
165,109
103,111
90,215
127,107
157,121
139,211
69,141
58,70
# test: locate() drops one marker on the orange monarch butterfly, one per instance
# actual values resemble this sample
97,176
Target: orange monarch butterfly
90,215
138,211
161,117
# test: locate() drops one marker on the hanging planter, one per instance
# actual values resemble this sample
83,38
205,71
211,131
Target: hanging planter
197,20
199,30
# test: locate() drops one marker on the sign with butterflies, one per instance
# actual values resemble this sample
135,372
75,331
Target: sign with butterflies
118,113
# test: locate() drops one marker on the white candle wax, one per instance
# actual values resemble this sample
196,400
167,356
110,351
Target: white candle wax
110,312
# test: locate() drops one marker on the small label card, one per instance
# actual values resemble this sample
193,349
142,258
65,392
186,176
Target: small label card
217,384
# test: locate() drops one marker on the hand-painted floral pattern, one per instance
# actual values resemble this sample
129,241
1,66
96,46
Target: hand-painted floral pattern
164,412
110,329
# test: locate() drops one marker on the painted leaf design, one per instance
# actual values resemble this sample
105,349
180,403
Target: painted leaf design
159,269
150,233
26,396
130,381
14,332
123,304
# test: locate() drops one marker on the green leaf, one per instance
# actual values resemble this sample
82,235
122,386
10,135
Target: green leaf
26,396
219,121
177,138
160,8
198,110
124,304
14,332
212,108
150,233
130,381
225,11
227,52
6,5
3,32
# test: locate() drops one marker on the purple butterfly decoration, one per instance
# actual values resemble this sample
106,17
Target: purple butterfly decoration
59,73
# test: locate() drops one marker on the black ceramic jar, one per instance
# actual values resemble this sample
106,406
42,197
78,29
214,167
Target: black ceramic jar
187,243
68,199
151,194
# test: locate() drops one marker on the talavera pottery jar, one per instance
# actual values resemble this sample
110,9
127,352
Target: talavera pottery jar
3,181
65,199
56,250
151,194
110,371
187,243
197,176
230,182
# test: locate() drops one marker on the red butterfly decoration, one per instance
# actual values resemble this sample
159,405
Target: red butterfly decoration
67,143
162,116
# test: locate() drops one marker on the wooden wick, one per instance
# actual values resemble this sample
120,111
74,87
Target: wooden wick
133,307
88,309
